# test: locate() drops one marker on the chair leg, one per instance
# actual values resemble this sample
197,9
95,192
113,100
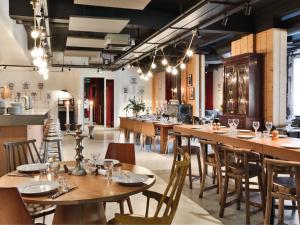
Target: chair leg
199,166
121,204
214,175
262,193
104,205
247,201
59,150
269,199
281,211
129,205
224,197
190,176
239,189
220,185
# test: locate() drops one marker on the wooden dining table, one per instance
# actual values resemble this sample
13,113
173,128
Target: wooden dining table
83,205
265,146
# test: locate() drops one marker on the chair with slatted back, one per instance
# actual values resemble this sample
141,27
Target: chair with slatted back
167,202
25,152
148,131
125,153
12,208
281,186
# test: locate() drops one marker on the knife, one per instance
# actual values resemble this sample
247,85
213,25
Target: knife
60,193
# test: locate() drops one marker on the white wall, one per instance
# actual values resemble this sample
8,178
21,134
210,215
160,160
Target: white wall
73,81
218,87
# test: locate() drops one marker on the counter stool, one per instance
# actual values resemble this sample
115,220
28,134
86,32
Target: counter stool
52,146
191,150
238,167
214,160
281,187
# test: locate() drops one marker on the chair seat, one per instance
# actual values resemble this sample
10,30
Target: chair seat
238,169
284,185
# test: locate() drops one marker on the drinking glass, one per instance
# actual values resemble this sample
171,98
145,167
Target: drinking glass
256,125
236,122
230,122
266,134
63,184
269,126
43,175
95,158
108,166
116,171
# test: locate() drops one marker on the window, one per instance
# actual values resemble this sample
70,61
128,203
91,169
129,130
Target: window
296,87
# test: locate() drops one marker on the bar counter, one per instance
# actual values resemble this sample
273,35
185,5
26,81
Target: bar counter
24,126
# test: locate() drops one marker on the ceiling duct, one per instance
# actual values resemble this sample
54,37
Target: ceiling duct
117,42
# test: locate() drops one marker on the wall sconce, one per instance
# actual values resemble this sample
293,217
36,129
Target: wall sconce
4,92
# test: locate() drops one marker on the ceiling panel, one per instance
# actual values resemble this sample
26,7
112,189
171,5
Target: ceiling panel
92,54
102,25
125,4
85,42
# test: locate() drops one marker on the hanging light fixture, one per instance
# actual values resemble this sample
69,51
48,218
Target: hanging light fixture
189,52
182,66
164,62
149,74
142,76
35,33
128,66
139,70
146,78
169,69
174,71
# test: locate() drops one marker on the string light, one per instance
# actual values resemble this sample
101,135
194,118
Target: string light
164,62
35,33
174,71
128,66
146,78
142,76
149,74
153,66
139,70
189,52
182,66
169,69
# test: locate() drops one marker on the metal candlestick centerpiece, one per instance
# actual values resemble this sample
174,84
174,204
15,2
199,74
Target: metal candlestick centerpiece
79,169
68,127
91,131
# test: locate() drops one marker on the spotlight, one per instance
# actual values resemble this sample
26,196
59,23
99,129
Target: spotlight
149,74
35,34
174,71
169,69
248,8
225,20
153,66
198,34
182,66
139,70
164,62
189,52
123,69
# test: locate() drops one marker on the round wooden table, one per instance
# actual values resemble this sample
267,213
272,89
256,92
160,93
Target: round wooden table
84,204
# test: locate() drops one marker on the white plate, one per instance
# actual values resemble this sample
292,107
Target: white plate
222,126
115,162
244,131
247,137
31,168
287,145
129,178
219,132
38,187
282,136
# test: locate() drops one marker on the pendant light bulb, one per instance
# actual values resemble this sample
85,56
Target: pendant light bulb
182,66
35,33
174,71
45,76
164,62
153,66
146,78
169,69
142,76
128,66
139,70
149,74
189,52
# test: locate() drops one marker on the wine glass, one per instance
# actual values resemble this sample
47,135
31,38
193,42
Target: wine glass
230,122
236,122
95,158
269,126
256,125
108,166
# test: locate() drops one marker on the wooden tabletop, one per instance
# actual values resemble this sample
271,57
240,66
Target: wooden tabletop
91,188
265,146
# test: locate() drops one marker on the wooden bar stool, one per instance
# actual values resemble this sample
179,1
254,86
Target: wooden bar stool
52,146
214,160
281,187
238,167
191,150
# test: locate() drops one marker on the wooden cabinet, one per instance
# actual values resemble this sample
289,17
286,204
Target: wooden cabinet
243,89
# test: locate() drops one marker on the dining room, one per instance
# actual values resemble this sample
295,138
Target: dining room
149,112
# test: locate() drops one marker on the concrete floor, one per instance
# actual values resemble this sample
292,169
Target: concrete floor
191,210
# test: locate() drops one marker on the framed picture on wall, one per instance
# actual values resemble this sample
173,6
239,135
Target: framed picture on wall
190,80
192,93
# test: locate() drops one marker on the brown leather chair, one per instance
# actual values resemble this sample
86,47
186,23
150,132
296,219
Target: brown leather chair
125,153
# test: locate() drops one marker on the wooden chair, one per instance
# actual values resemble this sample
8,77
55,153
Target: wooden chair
181,148
148,131
238,167
20,152
167,202
123,127
124,152
137,130
281,187
215,160
25,152
12,208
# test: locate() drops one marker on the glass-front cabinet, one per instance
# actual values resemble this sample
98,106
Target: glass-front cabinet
243,94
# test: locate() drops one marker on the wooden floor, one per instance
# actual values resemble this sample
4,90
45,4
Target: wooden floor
192,210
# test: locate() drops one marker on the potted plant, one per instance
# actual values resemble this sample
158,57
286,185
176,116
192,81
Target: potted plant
135,106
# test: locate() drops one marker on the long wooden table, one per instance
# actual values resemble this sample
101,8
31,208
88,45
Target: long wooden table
135,125
265,146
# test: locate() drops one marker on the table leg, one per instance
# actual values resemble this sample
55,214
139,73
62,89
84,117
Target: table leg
88,213
163,139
